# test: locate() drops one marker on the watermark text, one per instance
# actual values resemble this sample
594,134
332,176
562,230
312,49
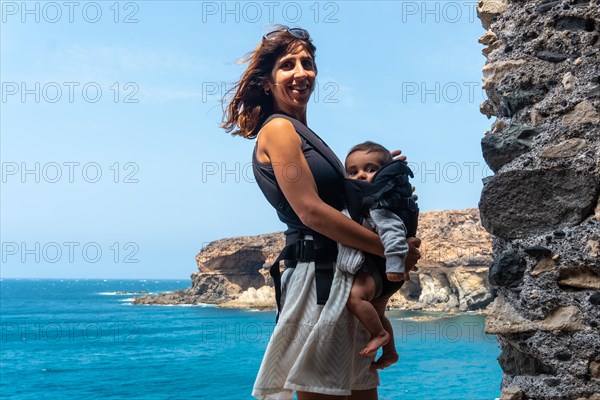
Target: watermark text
53,12
69,92
71,252
69,172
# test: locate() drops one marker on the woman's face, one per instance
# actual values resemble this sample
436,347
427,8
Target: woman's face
292,81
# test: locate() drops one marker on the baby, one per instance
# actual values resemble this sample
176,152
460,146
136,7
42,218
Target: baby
362,162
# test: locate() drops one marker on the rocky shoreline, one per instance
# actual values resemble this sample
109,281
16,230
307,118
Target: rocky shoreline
452,276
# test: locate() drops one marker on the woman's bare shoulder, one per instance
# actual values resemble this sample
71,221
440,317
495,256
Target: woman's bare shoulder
278,132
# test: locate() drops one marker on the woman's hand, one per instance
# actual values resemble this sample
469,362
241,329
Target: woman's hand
413,256
410,263
413,253
396,277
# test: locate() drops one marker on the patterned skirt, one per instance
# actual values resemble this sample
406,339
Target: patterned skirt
314,348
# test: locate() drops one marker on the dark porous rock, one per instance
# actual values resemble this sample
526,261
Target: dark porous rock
574,24
542,8
508,269
563,355
559,234
552,382
551,56
486,180
595,299
515,362
502,147
569,388
515,204
538,251
516,100
594,92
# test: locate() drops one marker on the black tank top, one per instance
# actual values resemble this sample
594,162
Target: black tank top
329,183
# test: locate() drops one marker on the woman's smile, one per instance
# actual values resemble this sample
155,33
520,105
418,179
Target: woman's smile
301,90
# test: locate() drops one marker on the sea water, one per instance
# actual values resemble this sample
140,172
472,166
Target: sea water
83,339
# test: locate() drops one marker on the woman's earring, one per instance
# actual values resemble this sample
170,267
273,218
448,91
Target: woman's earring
267,92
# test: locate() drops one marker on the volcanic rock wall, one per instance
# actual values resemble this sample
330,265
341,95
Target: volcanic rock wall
542,82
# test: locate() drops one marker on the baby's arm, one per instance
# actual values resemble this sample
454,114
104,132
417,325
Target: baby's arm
349,259
392,232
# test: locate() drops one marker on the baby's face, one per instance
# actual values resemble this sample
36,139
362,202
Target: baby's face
362,166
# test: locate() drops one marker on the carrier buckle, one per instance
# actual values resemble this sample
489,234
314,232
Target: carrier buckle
305,250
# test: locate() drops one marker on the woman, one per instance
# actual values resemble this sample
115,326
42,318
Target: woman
314,347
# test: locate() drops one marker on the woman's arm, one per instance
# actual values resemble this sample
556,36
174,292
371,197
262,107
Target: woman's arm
279,143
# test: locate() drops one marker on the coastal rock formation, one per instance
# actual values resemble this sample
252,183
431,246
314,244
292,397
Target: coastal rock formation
438,288
456,252
226,269
542,79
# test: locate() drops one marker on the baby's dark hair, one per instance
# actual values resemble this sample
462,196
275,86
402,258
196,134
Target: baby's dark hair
372,147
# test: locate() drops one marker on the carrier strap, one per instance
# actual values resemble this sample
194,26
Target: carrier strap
298,249
321,250
314,141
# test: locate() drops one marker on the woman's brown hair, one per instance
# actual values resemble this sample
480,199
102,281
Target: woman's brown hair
250,105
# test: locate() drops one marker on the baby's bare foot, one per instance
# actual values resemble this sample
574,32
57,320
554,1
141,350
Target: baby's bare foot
387,358
375,343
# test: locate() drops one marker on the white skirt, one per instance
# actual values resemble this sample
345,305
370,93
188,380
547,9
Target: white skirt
314,348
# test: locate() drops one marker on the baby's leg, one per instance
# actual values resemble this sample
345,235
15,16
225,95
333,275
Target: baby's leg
390,355
359,303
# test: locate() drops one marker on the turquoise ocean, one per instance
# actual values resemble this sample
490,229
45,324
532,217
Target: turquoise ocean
83,339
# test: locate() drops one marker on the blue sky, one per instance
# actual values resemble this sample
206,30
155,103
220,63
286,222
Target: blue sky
113,162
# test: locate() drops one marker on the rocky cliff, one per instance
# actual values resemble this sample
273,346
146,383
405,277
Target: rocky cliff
542,79
456,253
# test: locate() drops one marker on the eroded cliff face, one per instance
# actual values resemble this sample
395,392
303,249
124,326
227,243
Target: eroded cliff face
542,81
229,269
456,253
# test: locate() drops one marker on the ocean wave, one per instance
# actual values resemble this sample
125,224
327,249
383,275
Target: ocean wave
202,305
129,299
427,317
123,293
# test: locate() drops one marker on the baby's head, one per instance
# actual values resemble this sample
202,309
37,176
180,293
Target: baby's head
364,159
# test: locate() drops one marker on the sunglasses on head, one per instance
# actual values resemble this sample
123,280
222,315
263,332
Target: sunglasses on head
295,32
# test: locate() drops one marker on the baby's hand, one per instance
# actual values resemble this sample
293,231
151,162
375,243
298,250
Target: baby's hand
396,155
396,277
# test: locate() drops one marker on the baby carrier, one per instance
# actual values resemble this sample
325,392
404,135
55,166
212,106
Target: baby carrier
390,188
